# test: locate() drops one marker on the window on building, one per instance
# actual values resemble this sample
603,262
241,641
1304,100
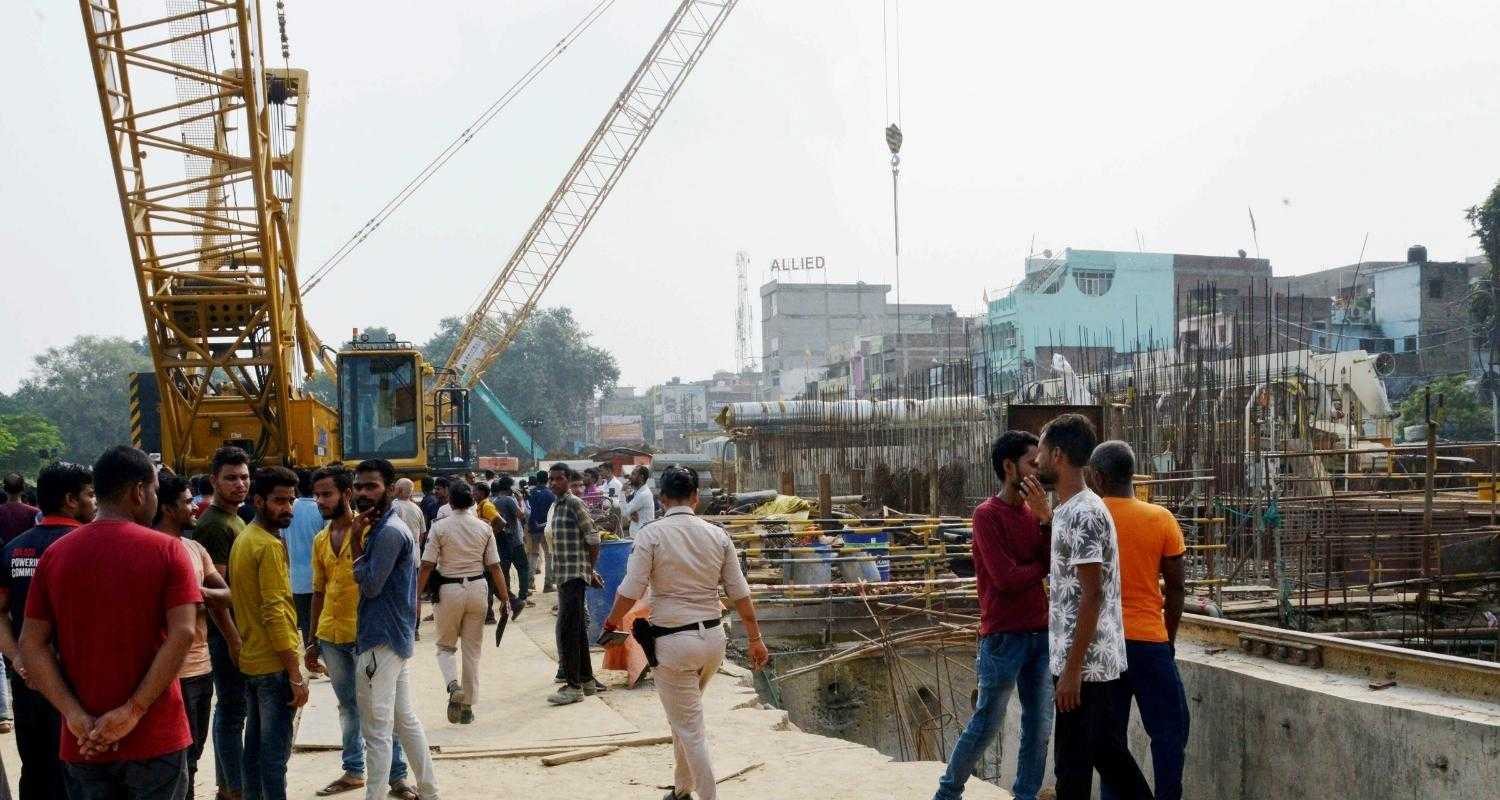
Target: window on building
1409,344
775,345
1093,282
1435,288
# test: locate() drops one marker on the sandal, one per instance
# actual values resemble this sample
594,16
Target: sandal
404,791
345,783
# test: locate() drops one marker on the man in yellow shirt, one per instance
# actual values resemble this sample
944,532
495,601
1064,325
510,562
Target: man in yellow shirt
269,658
485,509
335,615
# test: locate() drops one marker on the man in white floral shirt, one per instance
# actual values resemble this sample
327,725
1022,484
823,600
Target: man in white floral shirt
1086,629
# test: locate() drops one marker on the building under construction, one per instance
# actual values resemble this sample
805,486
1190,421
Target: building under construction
1302,514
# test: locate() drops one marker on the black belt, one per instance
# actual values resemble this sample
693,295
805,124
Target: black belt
439,580
691,626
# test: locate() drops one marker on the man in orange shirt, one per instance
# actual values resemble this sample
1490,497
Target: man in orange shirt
1151,549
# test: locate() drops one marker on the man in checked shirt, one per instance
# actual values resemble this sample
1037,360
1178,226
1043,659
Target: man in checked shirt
575,546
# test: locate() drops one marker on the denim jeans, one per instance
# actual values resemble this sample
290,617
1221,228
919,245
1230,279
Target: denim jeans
161,778
1006,661
513,554
268,735
198,700
339,658
229,714
4,690
1153,681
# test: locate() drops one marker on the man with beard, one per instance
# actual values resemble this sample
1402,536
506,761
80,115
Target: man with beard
271,655
1086,631
109,618
217,528
335,604
175,512
65,493
385,568
1010,560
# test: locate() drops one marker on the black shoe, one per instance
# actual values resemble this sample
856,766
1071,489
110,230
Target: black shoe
673,795
594,687
517,605
489,619
467,717
455,702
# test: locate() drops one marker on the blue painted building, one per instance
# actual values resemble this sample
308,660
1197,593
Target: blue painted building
1086,303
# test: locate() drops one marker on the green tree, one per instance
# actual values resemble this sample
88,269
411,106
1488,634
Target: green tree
1485,218
84,390
26,442
1463,416
551,372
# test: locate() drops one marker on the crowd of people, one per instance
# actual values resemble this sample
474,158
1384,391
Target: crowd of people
243,585
215,599
1104,636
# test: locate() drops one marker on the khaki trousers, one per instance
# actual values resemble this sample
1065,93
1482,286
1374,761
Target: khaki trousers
460,620
688,661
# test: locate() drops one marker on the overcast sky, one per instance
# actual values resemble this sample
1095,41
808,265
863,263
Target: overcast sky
1073,124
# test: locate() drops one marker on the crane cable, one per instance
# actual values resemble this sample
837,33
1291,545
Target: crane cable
463,138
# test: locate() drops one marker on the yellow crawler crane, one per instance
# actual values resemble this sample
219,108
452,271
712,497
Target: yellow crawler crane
206,144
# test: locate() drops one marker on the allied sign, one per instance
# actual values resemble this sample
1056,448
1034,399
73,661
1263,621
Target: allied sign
802,264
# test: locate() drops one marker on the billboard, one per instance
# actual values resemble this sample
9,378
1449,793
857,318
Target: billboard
621,429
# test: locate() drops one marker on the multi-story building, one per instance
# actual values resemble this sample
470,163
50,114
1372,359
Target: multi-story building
807,326
1095,301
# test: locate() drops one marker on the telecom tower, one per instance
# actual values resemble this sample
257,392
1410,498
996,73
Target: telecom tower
743,321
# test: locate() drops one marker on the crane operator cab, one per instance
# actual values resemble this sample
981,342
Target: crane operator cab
390,408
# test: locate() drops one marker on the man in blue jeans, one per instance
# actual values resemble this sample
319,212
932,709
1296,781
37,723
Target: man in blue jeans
1010,558
335,604
270,657
1151,549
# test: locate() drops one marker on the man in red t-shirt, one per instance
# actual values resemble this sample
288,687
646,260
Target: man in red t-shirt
119,602
1011,556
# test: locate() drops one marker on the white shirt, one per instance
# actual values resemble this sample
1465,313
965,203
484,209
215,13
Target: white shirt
614,489
461,545
412,515
643,505
684,560
1083,532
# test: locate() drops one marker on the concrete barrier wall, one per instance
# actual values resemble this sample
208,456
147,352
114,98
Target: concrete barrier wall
1260,728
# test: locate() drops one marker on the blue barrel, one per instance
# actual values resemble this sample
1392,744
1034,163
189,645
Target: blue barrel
613,556
875,544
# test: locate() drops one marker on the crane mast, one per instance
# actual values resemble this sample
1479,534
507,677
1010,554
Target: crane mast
205,145
494,321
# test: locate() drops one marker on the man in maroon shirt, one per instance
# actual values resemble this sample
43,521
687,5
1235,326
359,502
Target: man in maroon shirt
119,603
1011,556
16,517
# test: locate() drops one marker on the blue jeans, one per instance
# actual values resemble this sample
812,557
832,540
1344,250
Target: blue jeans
161,778
268,735
4,692
1153,681
339,658
229,715
1006,661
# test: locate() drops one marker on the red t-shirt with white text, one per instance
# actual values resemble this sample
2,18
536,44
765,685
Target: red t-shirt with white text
106,588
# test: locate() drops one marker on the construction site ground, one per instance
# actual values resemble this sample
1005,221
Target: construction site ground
777,760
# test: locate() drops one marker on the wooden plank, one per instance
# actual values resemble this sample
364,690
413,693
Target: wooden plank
532,751
582,754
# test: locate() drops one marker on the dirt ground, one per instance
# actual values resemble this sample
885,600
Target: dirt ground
513,711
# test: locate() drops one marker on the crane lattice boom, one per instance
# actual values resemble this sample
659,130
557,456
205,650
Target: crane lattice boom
208,194
493,323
